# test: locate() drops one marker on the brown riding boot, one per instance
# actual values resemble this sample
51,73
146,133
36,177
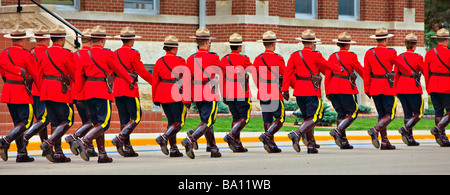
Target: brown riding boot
120,140
268,137
174,152
59,156
209,135
162,140
81,131
102,157
6,141
304,128
373,132
339,133
439,130
22,154
232,138
385,144
189,142
47,145
406,131
83,144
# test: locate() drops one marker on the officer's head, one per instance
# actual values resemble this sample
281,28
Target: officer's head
204,44
442,36
129,42
344,46
98,41
58,40
270,45
411,41
237,48
171,44
171,49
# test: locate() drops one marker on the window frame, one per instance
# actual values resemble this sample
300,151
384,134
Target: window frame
59,7
313,15
356,9
155,11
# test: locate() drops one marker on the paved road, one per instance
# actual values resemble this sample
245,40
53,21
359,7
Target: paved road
428,158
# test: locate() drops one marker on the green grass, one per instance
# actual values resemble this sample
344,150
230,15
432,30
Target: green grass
256,125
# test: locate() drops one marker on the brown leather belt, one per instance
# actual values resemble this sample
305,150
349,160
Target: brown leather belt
380,76
168,80
55,78
303,78
339,76
201,82
440,74
101,79
404,75
14,82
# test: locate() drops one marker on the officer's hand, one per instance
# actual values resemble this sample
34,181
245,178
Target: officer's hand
157,103
188,105
286,95
23,72
342,69
368,95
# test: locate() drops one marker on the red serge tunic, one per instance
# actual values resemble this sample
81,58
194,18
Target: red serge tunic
269,91
105,59
131,58
16,93
52,89
388,57
237,71
335,85
437,84
165,92
404,84
315,62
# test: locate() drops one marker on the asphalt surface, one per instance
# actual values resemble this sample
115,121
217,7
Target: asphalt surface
364,159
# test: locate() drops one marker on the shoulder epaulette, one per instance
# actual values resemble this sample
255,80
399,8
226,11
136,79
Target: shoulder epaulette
107,49
68,50
213,53
317,51
135,50
296,51
390,48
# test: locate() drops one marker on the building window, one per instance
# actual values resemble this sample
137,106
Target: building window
306,9
141,6
64,5
348,9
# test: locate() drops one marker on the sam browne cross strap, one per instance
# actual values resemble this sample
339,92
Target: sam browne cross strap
109,79
438,73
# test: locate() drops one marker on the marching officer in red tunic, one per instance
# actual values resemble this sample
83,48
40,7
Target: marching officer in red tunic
56,73
236,92
98,66
15,71
341,88
306,65
437,77
379,84
126,95
42,37
78,96
270,68
167,91
409,90
203,66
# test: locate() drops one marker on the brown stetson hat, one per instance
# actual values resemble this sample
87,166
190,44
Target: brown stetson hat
127,33
99,32
202,33
269,36
41,32
17,32
308,36
345,38
411,37
442,34
381,33
235,40
171,41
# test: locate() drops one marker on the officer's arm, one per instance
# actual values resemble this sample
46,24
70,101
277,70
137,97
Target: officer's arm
8,67
367,74
357,66
401,65
322,63
140,69
118,68
290,69
155,79
32,69
79,77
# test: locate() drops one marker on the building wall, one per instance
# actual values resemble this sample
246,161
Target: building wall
250,18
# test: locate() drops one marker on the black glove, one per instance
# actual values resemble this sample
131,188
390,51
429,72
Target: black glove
157,103
23,72
286,95
188,105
